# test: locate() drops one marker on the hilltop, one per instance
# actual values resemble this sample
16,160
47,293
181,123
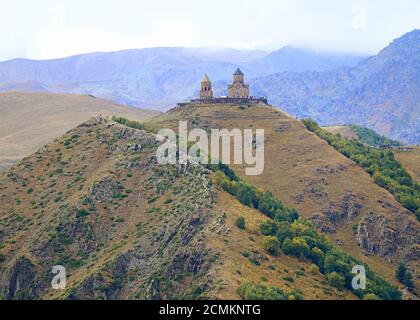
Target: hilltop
31,120
96,201
330,190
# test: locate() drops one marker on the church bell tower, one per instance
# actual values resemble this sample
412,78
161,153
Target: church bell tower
206,91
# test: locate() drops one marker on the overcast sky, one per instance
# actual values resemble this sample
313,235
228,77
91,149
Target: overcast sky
44,29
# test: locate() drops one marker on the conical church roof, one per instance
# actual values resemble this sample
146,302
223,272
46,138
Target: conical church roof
238,72
206,78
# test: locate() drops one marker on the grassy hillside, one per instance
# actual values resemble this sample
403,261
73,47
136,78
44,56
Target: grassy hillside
410,159
96,201
305,173
363,134
30,120
345,131
381,164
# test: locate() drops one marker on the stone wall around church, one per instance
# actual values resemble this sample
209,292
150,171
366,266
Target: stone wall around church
224,100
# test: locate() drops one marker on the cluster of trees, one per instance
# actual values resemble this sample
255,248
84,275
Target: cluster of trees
253,197
129,123
404,276
371,138
386,171
300,239
249,291
286,232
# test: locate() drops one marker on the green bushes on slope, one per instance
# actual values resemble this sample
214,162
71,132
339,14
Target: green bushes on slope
249,291
404,276
129,123
371,138
380,164
298,238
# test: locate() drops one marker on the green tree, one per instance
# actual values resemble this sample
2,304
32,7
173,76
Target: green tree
241,223
272,245
336,280
296,247
404,276
268,228
370,296
317,256
313,269
244,195
284,231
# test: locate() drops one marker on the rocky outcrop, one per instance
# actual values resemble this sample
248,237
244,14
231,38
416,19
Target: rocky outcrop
348,209
376,235
103,208
335,214
21,281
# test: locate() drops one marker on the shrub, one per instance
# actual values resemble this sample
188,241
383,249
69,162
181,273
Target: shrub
129,123
296,247
288,279
268,228
249,291
272,245
370,296
313,269
317,256
336,280
82,213
245,195
404,276
241,223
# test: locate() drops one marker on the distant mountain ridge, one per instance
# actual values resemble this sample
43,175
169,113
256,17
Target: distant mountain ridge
155,77
30,120
382,92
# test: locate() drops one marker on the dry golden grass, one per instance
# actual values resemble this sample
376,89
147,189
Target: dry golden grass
31,120
301,170
231,268
410,159
234,268
345,131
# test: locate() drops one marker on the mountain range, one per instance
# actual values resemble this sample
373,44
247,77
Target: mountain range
156,77
380,92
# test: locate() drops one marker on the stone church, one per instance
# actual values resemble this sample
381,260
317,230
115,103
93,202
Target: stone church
237,90
238,93
206,91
